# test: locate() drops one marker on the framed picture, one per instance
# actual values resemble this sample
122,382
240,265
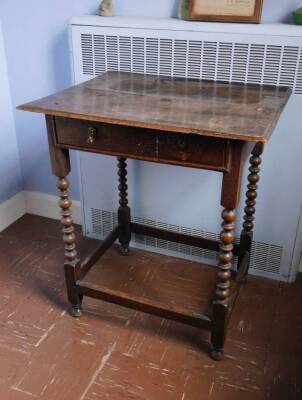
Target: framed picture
226,10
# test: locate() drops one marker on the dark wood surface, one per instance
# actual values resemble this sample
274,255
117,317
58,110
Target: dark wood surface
152,307
226,110
116,353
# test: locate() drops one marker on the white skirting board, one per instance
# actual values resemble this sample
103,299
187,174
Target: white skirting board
35,203
11,210
46,205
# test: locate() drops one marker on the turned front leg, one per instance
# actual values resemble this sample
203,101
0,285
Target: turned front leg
229,200
246,237
71,264
124,217
60,165
223,284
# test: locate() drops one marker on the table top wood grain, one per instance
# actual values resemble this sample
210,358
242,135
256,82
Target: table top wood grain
226,110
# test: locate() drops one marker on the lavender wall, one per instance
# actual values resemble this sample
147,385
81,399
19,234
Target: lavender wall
11,180
36,44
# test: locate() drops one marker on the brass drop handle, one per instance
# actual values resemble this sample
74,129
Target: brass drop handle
92,133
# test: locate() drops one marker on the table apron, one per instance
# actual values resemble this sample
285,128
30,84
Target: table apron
187,150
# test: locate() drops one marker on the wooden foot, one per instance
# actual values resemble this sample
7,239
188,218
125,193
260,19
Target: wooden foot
124,217
75,311
216,354
124,250
76,306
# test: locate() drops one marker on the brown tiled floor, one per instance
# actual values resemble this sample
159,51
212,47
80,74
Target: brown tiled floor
114,353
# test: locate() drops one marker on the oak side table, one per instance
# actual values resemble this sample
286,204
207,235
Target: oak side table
190,123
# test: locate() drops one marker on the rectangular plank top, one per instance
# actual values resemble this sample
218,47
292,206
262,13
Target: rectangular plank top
226,110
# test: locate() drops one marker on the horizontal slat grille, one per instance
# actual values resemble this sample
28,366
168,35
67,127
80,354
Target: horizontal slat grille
226,61
265,257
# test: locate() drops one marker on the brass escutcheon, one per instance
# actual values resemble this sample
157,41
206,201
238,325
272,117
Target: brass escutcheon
181,144
91,135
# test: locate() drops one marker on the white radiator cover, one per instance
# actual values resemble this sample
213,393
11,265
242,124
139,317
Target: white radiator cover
187,200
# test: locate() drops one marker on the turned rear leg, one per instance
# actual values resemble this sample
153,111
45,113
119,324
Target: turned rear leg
124,215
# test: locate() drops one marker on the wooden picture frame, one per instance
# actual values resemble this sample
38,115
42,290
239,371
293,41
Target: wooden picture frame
248,11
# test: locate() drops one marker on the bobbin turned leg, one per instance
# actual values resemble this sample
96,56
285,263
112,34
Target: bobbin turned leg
246,237
60,165
124,217
71,264
229,200
223,284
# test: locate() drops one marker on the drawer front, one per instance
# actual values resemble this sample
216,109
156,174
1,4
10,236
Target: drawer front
195,150
143,144
103,138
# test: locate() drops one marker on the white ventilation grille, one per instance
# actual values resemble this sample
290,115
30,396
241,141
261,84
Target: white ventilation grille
87,55
265,257
226,61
